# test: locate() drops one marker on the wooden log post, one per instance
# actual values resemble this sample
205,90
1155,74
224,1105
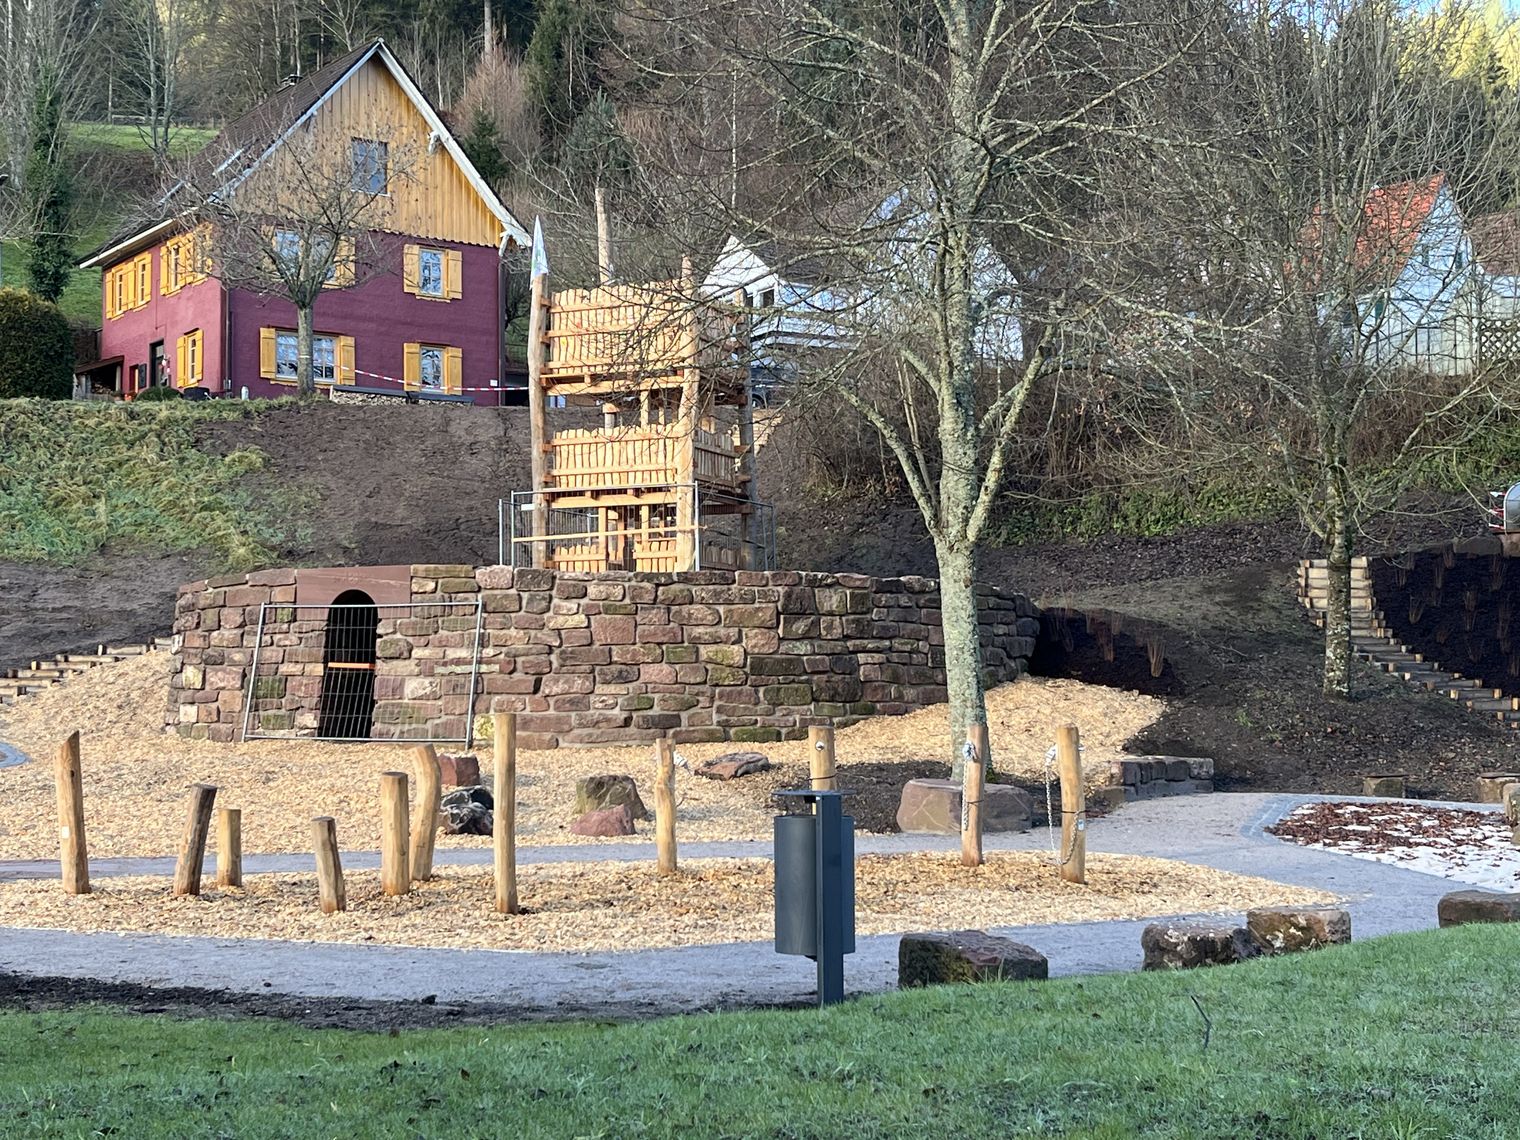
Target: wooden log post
331,894
192,848
1073,805
504,813
425,818
821,758
538,429
229,847
665,807
395,874
73,857
973,786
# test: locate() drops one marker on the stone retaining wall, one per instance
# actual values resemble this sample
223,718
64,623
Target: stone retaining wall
593,658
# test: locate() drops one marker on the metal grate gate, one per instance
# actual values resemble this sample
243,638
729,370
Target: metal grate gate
355,670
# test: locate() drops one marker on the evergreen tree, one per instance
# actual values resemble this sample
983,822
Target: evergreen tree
49,188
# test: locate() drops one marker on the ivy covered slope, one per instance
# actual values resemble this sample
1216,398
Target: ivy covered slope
75,478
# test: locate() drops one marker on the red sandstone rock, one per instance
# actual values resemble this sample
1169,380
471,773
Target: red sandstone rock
732,765
459,769
605,822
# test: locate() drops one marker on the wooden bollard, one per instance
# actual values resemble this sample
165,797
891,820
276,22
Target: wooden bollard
331,894
821,758
395,873
504,811
665,807
73,858
229,847
973,786
192,848
425,818
1073,805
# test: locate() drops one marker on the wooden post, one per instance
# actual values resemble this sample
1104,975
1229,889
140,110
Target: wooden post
1073,813
603,239
192,849
665,807
504,814
538,431
425,821
395,875
229,847
973,786
747,520
821,758
331,895
73,858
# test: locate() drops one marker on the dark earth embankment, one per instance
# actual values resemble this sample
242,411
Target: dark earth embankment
420,484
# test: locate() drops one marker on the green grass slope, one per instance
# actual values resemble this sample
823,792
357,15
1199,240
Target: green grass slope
1412,1036
77,477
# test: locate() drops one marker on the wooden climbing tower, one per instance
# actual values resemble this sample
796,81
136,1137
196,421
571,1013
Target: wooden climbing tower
664,480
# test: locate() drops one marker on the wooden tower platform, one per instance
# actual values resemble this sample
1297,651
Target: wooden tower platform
666,482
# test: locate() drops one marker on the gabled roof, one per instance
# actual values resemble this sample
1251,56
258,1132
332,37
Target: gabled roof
1496,242
245,143
1388,231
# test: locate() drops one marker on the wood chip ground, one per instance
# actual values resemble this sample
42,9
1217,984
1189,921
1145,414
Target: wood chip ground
621,906
136,775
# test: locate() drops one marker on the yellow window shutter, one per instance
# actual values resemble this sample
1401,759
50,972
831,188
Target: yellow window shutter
144,280
110,292
410,273
197,353
166,279
345,360
453,268
267,353
343,265
411,373
181,362
453,371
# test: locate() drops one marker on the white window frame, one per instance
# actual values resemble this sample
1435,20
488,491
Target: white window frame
424,254
319,360
434,352
366,171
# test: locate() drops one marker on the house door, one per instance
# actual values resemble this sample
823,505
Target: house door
158,365
347,708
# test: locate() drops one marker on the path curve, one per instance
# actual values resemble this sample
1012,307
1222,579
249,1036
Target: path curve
1224,831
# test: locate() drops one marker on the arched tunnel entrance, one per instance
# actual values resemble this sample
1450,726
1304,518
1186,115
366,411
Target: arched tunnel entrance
347,708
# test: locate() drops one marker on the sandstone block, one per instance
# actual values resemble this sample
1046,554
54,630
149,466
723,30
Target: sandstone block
1389,786
593,793
605,822
1184,945
1462,907
965,956
1491,786
459,769
934,806
1287,929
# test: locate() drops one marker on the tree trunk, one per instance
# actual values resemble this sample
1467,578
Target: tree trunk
305,385
963,647
1337,682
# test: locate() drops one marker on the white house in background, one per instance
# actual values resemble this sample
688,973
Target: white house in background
1419,292
809,303
800,304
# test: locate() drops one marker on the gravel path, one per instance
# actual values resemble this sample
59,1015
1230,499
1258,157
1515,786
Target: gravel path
1222,831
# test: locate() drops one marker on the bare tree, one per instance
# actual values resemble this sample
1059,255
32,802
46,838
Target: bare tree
158,33
941,157
1317,268
305,221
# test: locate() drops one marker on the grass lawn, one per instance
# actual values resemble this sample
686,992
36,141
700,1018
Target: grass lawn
1413,1036
125,136
74,477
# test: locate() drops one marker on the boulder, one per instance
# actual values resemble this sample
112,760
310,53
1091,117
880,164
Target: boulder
732,765
1288,929
1462,907
934,807
593,793
1184,945
1512,804
965,956
466,811
605,822
1388,786
459,769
